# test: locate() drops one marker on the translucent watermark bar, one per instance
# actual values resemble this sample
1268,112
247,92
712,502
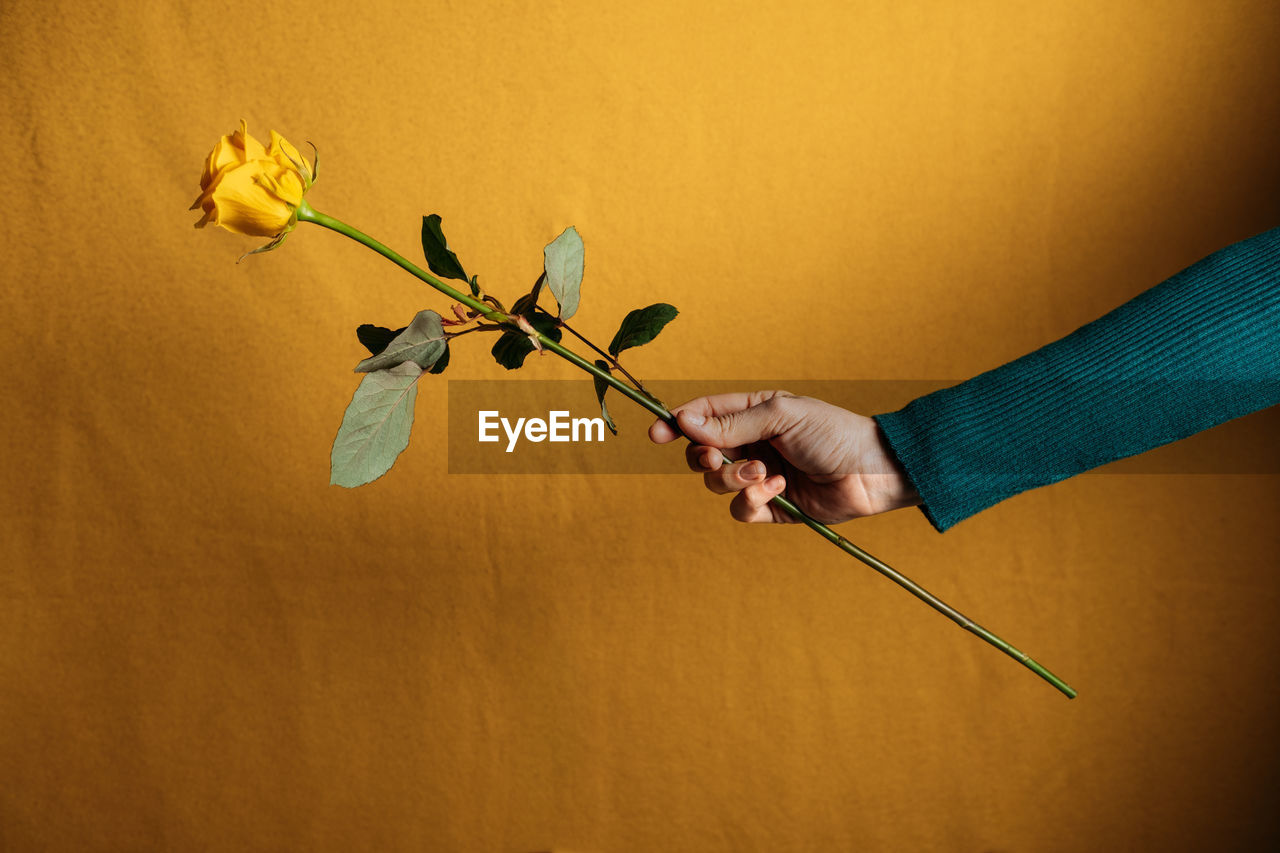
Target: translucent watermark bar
566,442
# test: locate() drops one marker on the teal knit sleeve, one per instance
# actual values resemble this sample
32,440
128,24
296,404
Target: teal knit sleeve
1198,349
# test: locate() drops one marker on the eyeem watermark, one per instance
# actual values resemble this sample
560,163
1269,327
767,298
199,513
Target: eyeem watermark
558,426
547,426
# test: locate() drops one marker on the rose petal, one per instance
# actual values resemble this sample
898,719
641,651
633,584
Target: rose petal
287,156
246,207
251,147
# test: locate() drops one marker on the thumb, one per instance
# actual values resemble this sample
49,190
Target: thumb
760,422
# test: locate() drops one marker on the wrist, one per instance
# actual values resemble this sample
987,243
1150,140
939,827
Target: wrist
891,486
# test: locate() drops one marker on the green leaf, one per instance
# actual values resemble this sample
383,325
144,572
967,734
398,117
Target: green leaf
422,342
562,260
376,338
529,301
641,326
442,362
601,387
441,261
375,427
512,347
475,285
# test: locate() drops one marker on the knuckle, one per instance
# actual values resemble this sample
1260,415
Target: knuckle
728,423
757,398
777,410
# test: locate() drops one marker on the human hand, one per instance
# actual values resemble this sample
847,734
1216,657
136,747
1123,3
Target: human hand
834,464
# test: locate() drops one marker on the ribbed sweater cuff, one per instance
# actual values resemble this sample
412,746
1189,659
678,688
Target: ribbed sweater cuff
1199,349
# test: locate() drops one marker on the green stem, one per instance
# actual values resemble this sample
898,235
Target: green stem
308,214
604,355
643,399
924,595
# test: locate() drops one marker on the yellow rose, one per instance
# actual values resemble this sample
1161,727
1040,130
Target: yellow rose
253,190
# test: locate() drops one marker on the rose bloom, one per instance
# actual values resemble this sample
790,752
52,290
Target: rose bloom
253,190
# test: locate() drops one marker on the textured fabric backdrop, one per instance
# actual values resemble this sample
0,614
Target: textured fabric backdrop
205,646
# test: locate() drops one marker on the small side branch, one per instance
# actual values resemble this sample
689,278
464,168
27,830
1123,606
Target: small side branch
613,360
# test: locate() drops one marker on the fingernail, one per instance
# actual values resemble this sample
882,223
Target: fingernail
692,419
752,471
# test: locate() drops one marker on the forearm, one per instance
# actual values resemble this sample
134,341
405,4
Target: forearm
1201,348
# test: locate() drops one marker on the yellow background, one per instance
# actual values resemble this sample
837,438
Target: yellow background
205,646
